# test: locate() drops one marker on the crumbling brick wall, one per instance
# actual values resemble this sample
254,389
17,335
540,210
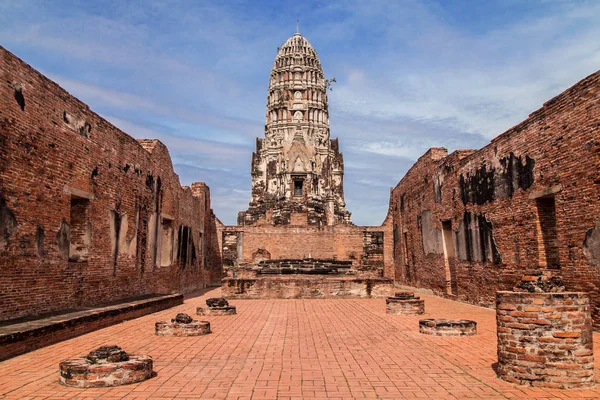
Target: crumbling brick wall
87,213
365,246
467,224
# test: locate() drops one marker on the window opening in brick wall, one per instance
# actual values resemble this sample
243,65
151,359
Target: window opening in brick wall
405,256
396,238
186,251
166,242
79,241
115,237
449,257
547,236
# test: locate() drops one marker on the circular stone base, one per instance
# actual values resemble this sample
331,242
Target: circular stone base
194,328
82,373
401,306
206,311
448,327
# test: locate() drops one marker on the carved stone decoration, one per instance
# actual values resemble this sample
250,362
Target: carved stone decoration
297,113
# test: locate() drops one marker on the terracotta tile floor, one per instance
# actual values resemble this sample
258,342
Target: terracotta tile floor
292,349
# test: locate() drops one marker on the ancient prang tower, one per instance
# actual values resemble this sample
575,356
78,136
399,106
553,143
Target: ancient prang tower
297,169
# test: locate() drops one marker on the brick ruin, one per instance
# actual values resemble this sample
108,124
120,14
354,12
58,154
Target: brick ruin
467,224
182,326
105,367
297,211
545,334
363,247
404,303
216,306
88,214
447,327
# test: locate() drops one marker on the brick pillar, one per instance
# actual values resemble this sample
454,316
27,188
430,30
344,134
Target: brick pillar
545,339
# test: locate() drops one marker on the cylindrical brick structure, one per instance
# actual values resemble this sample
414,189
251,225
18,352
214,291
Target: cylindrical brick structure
404,303
448,327
405,295
216,306
216,311
545,339
182,325
106,366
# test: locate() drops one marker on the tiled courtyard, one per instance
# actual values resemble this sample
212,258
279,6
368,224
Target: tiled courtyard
292,349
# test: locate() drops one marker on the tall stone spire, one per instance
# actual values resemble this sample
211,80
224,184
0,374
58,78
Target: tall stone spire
297,168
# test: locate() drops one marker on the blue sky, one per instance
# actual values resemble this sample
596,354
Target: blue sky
410,75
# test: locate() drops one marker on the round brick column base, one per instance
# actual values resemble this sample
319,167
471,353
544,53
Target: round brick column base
404,304
216,311
448,327
86,372
545,339
194,328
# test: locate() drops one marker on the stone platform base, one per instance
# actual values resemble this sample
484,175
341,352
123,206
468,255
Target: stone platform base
24,336
215,311
306,287
404,303
194,328
88,372
448,327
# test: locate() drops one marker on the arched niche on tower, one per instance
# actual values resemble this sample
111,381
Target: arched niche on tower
298,158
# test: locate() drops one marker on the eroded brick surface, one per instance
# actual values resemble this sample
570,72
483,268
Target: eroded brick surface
545,339
404,303
104,367
182,325
448,327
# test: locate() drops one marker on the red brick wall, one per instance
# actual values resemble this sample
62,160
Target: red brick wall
555,153
54,148
342,242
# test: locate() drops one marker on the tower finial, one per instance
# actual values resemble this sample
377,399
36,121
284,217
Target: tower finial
297,23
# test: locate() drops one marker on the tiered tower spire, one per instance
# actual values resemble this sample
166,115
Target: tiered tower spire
297,167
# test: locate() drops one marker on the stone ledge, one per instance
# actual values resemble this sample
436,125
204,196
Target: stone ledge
306,287
22,337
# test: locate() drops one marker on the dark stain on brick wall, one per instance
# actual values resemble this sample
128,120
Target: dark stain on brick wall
515,175
8,224
18,94
63,239
117,220
477,187
486,184
39,241
591,244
